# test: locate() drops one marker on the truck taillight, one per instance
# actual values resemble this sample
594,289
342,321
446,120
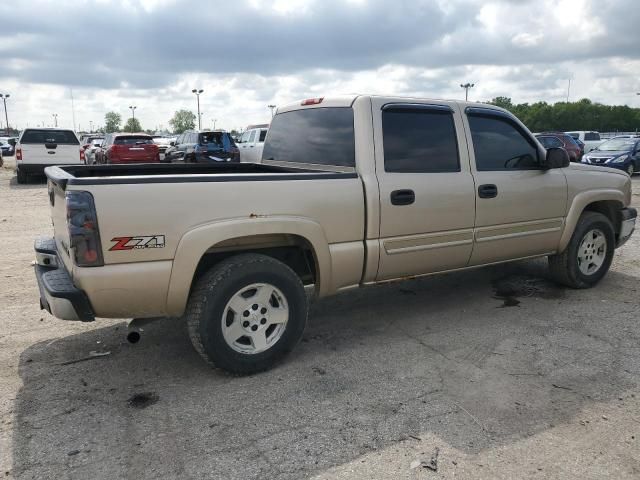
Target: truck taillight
84,236
82,154
312,101
18,154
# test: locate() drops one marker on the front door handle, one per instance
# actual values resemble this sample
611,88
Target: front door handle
488,190
403,197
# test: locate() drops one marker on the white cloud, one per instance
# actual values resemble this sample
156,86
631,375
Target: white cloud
248,54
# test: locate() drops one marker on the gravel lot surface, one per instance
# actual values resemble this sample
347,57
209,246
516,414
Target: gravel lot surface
441,372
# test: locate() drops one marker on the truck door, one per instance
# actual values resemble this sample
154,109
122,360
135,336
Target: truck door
520,206
427,194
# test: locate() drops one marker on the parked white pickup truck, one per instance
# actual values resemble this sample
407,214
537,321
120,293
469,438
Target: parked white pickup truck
38,148
352,191
590,139
251,143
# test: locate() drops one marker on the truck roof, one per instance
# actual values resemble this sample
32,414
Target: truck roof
347,101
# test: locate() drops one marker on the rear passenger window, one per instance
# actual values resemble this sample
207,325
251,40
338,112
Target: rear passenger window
263,134
319,136
419,140
499,145
64,137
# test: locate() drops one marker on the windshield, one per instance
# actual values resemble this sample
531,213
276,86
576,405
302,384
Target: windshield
617,144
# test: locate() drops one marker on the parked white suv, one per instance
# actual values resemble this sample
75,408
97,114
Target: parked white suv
251,143
38,148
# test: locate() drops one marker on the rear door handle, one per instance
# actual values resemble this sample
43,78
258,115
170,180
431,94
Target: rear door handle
403,197
488,190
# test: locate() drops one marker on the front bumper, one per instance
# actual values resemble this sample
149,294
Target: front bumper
58,295
627,226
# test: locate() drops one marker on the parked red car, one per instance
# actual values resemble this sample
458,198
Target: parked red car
122,148
561,140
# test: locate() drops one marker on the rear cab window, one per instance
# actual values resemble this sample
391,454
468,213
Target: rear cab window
60,137
591,136
314,136
133,140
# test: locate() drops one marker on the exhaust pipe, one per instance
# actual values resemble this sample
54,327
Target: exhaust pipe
135,328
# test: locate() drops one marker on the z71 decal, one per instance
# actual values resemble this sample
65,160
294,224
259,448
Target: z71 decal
130,243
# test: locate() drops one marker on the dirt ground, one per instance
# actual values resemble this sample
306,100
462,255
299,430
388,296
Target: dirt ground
441,372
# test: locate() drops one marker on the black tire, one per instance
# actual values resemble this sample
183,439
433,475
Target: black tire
564,266
21,177
214,290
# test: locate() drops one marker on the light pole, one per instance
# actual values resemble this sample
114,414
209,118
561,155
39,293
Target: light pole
198,92
6,118
90,126
55,120
214,123
272,108
466,87
133,111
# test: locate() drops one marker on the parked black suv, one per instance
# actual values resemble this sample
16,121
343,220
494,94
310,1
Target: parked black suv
203,147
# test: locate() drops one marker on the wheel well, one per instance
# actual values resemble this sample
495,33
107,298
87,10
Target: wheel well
292,250
610,209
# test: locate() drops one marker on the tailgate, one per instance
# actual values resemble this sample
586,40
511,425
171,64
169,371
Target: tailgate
50,154
139,151
59,219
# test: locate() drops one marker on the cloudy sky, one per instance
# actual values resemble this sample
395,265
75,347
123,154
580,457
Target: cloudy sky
247,54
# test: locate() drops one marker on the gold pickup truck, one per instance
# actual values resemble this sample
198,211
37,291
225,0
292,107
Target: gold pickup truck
351,191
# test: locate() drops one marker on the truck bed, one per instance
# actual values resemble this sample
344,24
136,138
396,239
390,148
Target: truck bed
179,173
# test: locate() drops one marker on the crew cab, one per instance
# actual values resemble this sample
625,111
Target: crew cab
351,191
38,148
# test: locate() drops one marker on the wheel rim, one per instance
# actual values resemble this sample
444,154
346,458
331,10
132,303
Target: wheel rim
255,318
592,252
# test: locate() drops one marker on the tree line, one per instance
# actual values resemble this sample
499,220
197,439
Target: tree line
182,120
567,116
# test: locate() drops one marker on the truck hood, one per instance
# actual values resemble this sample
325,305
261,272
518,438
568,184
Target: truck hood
583,177
600,169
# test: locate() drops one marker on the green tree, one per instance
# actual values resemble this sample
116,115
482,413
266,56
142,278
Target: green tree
112,121
132,125
183,120
503,102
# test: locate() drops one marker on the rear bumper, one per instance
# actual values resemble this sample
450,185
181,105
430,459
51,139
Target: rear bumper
58,295
627,226
215,157
38,168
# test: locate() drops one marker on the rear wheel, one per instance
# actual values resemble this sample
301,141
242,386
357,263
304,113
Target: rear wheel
246,313
21,177
588,256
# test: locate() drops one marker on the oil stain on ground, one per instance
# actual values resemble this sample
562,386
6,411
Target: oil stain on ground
511,288
143,400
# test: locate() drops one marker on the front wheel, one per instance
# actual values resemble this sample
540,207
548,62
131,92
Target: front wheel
246,313
631,170
588,256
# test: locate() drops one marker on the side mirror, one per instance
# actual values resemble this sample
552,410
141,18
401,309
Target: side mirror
556,158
